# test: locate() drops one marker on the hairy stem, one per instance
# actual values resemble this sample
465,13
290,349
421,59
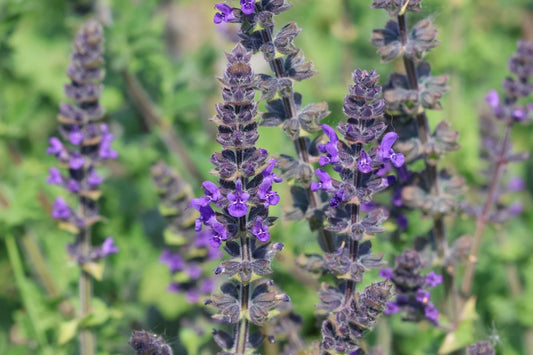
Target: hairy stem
353,243
439,228
483,219
243,327
153,119
300,145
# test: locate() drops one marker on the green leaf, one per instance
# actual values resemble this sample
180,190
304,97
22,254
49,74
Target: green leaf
67,331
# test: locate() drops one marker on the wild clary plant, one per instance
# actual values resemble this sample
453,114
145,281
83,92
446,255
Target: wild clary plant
86,144
236,212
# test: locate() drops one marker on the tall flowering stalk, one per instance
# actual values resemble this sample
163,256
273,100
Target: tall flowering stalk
283,104
362,161
408,96
236,212
86,143
515,107
188,250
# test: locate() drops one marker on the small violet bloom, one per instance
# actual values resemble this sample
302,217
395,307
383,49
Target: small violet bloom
386,152
423,296
325,181
55,177
392,308
247,6
260,230
55,147
237,207
433,279
212,191
172,260
365,162
330,148
109,247
60,209
431,313
225,14
76,161
75,136
386,273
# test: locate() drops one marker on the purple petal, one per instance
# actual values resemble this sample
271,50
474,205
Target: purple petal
493,99
386,144
423,296
109,247
386,273
60,209
54,177
365,162
330,132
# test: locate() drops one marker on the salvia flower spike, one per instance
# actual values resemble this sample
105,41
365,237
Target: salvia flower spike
359,158
235,213
85,143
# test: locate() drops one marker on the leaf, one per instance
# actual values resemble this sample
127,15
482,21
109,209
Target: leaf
463,335
96,270
67,331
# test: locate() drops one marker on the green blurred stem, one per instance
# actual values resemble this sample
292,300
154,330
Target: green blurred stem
22,283
439,229
87,338
483,219
154,121
325,238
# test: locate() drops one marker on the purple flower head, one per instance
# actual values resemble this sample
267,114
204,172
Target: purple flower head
212,191
423,296
516,184
247,6
237,207
55,147
194,271
75,136
325,181
73,186
76,161
386,152
386,273
206,212
364,163
225,14
172,260
433,279
217,234
94,179
330,148
109,247
265,193
260,230
336,200
392,308
493,99
55,177
268,173
207,286
60,209
431,313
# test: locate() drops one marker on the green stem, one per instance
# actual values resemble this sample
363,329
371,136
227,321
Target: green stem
87,338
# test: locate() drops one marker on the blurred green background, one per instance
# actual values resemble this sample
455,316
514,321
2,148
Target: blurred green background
171,51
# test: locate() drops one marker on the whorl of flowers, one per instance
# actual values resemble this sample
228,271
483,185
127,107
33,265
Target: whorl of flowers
236,211
188,250
412,295
361,159
85,143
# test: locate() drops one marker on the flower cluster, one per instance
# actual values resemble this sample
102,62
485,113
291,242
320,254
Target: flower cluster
236,212
362,162
86,143
411,287
228,14
190,250
144,342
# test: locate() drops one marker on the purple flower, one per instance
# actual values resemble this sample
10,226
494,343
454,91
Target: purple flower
75,136
431,312
212,191
54,177
386,273
73,186
237,207
423,296
516,208
260,230
392,308
225,14
325,181
247,6
76,161
192,295
194,271
109,247
60,209
206,212
493,99
330,148
207,286
55,147
386,152
433,279
337,199
217,234
172,260
94,179
174,288
365,162
516,184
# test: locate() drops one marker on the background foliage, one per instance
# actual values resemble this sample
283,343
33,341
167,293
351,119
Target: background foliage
172,49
